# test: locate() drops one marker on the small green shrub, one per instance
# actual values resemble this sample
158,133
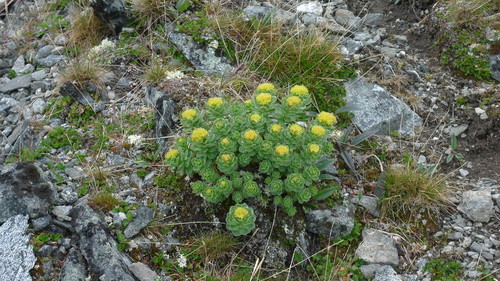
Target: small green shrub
442,269
238,148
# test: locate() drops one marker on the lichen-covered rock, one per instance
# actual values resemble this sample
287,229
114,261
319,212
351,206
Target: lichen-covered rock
143,217
16,255
113,12
377,110
335,222
24,190
377,248
98,247
164,107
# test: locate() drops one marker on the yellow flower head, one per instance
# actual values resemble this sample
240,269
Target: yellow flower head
299,90
189,114
296,130
264,98
171,154
327,118
318,130
293,101
282,150
209,191
265,87
314,148
225,157
275,128
240,213
255,118
224,141
199,134
250,135
247,102
223,183
214,102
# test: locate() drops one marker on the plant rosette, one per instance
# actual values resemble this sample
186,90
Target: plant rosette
240,219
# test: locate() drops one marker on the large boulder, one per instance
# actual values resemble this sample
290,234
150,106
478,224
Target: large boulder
377,110
98,246
25,190
16,254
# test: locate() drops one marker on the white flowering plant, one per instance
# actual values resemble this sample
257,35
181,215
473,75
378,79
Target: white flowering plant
265,147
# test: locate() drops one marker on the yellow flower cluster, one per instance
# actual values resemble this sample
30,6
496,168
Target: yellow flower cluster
313,148
240,213
264,98
247,102
250,135
199,134
225,157
224,141
318,130
299,90
265,87
275,128
223,183
189,114
293,101
327,118
282,150
171,154
255,118
214,102
296,130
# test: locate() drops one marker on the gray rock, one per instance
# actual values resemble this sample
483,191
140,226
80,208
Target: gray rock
353,46
61,40
169,242
41,86
373,19
378,248
18,64
24,190
369,203
477,205
343,16
62,212
204,60
69,89
98,247
456,130
164,107
495,66
68,195
16,253
74,172
303,244
278,15
377,110
44,52
50,61
39,75
38,106
114,12
313,7
368,270
386,273
144,215
455,236
74,267
19,82
143,272
45,251
6,63
336,222
40,223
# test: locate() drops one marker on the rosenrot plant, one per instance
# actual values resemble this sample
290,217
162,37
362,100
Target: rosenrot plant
264,147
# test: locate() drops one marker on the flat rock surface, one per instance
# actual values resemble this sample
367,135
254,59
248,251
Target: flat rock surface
16,255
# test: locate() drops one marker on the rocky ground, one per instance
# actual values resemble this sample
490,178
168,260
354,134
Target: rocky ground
85,194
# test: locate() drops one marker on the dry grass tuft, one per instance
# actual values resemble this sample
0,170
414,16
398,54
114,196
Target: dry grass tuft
83,70
410,192
474,14
87,29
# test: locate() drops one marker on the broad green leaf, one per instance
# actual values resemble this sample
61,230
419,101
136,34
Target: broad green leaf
322,164
324,193
182,5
